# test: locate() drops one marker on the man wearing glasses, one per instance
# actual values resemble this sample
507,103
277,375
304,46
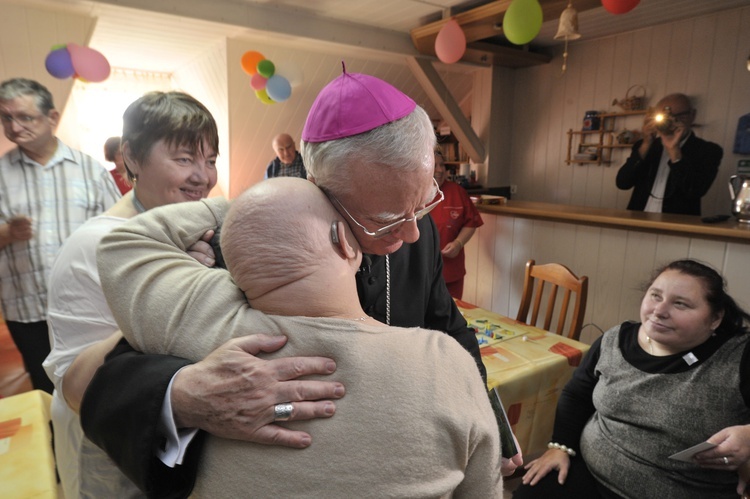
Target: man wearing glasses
369,147
47,190
670,169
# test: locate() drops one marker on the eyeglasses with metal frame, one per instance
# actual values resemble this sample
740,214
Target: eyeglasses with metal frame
384,231
22,119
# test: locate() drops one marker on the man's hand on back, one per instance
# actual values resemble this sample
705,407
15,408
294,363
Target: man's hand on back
232,394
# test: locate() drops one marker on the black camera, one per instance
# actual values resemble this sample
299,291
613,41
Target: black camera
663,121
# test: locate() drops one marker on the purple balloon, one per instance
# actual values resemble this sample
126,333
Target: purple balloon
59,64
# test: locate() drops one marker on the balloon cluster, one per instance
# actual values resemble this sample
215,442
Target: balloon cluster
271,83
84,63
620,6
522,21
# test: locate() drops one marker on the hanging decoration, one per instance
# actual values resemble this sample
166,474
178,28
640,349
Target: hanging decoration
72,60
250,61
278,88
620,6
450,43
522,21
270,82
567,30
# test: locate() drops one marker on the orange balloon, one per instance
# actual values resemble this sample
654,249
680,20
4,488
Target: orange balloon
250,61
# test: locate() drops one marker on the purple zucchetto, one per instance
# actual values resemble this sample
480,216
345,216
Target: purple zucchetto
354,103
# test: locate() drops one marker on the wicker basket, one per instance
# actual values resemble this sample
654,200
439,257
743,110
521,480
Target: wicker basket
635,99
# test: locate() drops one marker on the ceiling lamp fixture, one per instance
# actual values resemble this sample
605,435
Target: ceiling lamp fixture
568,30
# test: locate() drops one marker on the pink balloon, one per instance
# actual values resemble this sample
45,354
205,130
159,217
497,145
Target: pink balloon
258,81
620,6
89,64
450,43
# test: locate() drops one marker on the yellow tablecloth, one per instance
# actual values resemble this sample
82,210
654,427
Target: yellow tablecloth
529,366
27,463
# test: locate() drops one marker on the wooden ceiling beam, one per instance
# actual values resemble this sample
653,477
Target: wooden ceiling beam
486,21
447,106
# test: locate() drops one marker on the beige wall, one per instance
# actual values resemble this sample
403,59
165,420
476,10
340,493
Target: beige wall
703,57
252,124
205,78
26,36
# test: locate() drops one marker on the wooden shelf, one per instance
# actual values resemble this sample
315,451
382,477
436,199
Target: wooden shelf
601,142
623,113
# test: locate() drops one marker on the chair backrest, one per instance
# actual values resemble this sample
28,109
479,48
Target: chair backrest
559,276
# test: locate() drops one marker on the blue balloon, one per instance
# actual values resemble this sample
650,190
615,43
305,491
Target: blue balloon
278,88
59,64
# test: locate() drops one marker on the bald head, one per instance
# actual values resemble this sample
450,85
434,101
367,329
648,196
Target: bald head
284,147
679,106
276,233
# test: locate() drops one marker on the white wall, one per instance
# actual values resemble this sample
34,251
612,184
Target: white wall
703,57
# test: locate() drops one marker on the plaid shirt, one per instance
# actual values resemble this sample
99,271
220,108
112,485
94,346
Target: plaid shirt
58,197
278,169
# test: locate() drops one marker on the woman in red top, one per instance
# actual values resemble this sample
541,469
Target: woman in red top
112,153
456,218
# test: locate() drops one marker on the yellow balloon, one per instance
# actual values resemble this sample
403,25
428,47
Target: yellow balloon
263,96
522,21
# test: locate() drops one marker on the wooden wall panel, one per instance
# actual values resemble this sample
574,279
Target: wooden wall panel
704,57
27,34
205,78
618,262
737,272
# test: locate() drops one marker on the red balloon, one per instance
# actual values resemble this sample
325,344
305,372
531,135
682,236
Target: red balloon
450,43
620,6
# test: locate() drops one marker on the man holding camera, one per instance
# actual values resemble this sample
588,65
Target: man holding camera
670,169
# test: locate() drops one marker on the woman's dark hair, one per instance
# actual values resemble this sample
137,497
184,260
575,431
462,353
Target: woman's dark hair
111,146
735,318
176,117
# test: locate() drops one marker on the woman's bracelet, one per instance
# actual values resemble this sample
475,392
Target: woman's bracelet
567,450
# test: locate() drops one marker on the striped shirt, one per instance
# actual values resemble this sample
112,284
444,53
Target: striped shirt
58,197
278,169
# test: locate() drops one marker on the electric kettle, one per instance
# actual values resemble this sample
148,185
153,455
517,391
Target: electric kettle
740,197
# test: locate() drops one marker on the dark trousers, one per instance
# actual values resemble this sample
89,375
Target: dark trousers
32,340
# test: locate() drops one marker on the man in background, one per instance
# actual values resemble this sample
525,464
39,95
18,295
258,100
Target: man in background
670,169
47,190
288,161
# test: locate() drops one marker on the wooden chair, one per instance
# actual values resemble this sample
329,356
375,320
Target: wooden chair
559,276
